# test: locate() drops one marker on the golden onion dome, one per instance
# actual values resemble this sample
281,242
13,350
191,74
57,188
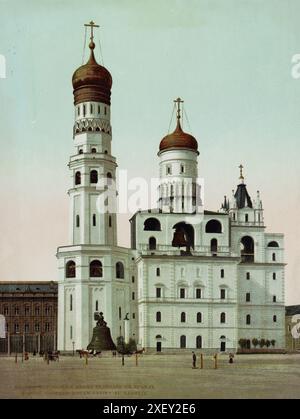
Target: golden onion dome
92,82
178,139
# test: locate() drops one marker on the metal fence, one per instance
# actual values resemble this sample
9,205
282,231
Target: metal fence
27,343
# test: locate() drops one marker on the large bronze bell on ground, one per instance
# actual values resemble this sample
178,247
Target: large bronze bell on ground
101,340
179,239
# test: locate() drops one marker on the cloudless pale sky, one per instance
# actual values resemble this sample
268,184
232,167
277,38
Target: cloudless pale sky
230,60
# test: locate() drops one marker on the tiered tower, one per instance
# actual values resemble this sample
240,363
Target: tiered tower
95,274
178,171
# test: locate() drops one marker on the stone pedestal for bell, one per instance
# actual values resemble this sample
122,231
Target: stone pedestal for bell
101,340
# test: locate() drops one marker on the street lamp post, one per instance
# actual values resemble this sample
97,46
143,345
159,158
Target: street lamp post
73,343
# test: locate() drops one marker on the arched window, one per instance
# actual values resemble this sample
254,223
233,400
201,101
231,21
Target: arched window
119,270
199,342
213,226
182,342
152,243
247,249
84,110
109,178
152,224
158,316
248,319
77,221
77,178
181,168
157,271
71,302
96,306
91,108
247,275
273,244
80,151
214,245
223,318
274,319
94,150
109,221
78,110
222,273
71,269
199,317
94,220
93,176
273,257
96,269
183,317
274,275
246,218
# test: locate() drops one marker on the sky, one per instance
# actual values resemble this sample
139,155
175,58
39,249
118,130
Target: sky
230,60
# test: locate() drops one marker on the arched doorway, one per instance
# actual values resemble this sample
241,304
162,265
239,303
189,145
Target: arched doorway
158,343
223,343
199,342
152,243
214,245
182,342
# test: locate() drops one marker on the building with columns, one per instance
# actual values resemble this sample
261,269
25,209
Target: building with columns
192,278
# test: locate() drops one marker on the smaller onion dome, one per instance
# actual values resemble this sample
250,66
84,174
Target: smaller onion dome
92,81
178,138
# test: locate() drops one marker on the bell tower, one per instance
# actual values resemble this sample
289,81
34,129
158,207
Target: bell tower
95,274
178,153
93,168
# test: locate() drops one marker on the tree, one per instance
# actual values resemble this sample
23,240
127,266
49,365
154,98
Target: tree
121,347
262,343
126,348
268,343
243,343
131,346
273,341
254,342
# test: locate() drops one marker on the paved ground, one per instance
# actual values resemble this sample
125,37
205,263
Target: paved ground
156,376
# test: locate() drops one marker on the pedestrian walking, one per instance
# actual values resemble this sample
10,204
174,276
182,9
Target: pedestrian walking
194,357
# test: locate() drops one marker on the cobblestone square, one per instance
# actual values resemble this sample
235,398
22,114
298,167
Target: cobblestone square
156,376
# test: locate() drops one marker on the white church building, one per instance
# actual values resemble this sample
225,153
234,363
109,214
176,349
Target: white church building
193,278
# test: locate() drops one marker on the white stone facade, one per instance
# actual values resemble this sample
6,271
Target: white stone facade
190,279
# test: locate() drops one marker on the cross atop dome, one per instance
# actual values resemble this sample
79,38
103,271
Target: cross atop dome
241,167
178,101
91,25
92,82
